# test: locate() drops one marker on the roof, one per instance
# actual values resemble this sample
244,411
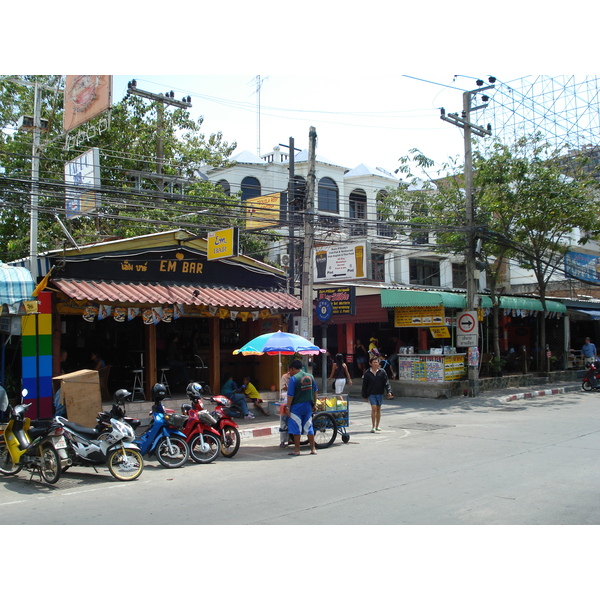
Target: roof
363,170
16,286
117,292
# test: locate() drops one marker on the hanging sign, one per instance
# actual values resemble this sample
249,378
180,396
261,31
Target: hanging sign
466,328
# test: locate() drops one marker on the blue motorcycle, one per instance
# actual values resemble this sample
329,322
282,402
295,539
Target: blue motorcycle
164,438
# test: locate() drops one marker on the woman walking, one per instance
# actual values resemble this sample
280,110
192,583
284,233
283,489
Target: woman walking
339,372
375,383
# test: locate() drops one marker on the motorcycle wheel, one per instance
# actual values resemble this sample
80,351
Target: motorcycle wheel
177,456
7,466
587,387
214,447
231,441
50,464
325,430
125,464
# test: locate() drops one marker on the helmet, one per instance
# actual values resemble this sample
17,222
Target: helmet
185,408
159,392
117,412
194,390
122,395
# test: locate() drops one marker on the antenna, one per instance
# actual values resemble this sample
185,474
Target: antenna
259,83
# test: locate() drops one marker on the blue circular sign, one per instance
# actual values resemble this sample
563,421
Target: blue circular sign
324,309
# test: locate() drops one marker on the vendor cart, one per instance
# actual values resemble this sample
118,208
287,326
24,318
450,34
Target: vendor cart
332,415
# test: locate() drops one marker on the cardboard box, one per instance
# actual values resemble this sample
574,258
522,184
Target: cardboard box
80,393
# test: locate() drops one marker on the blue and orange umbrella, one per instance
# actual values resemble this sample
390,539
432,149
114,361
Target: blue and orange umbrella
279,342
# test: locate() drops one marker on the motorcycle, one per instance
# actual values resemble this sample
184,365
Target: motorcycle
114,448
202,438
42,448
224,423
116,412
164,437
591,380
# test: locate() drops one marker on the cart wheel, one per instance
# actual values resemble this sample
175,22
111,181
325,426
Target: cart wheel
325,429
345,438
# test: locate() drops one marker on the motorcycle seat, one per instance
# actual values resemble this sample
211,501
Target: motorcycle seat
86,431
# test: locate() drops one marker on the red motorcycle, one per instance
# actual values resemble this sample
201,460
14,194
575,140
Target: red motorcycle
203,439
591,380
224,423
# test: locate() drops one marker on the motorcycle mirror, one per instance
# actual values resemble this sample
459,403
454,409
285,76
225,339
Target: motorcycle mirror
24,392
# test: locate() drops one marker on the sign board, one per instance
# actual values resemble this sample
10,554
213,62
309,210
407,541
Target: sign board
344,261
85,97
419,316
263,211
222,244
440,332
82,178
342,299
467,328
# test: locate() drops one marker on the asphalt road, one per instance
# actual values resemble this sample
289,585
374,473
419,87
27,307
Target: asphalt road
436,462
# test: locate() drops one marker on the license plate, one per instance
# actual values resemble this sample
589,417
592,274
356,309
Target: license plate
60,443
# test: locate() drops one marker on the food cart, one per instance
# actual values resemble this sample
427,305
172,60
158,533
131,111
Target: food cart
332,414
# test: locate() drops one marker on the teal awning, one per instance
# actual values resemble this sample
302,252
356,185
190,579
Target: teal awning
16,286
393,298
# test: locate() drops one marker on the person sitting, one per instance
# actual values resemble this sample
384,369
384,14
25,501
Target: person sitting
252,394
230,390
97,361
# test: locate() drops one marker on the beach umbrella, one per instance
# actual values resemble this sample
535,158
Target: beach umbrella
279,342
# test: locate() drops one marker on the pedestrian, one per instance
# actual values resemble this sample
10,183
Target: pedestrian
374,348
284,436
339,373
362,356
231,390
252,394
588,353
375,383
301,400
97,361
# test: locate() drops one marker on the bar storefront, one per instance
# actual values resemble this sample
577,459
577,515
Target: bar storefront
127,300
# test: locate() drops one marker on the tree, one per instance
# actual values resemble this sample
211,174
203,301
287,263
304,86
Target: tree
127,147
526,210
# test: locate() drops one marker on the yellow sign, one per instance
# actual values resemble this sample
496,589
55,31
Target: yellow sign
418,316
440,332
263,211
222,244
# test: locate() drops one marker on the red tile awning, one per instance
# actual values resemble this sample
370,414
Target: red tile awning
123,293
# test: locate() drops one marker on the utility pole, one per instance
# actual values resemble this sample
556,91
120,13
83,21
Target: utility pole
291,216
464,122
309,235
162,100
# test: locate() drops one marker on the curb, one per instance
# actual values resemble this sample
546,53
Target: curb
535,394
259,432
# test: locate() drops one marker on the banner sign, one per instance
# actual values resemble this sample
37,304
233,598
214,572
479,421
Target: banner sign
223,244
419,316
263,211
349,261
85,97
341,299
582,266
82,178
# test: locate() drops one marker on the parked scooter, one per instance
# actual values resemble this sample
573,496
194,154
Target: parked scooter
164,438
225,425
40,449
116,412
591,380
114,448
202,438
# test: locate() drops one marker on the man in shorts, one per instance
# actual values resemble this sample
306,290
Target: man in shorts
375,383
301,399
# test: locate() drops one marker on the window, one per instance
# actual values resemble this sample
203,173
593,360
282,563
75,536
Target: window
224,184
459,275
384,229
358,213
419,233
250,188
328,195
424,272
378,264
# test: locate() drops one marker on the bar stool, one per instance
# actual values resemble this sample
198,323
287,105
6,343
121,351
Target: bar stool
164,380
138,385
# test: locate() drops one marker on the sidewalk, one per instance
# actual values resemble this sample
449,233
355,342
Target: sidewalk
264,426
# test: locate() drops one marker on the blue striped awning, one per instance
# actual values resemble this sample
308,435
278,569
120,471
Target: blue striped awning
16,286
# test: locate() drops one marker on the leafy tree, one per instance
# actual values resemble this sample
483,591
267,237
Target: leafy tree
526,210
127,147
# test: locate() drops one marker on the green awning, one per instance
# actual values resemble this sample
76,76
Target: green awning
393,298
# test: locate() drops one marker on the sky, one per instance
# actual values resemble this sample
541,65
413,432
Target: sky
369,119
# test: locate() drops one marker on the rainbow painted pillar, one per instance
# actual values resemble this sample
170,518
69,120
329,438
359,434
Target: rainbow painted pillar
37,358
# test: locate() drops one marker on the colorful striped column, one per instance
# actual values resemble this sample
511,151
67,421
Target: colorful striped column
37,358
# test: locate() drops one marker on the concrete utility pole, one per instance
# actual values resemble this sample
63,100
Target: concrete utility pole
162,99
464,122
309,238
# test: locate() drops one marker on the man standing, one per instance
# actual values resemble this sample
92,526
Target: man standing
301,399
375,383
588,353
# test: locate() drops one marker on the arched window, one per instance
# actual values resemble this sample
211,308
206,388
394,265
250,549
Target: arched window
224,186
250,188
328,195
358,212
